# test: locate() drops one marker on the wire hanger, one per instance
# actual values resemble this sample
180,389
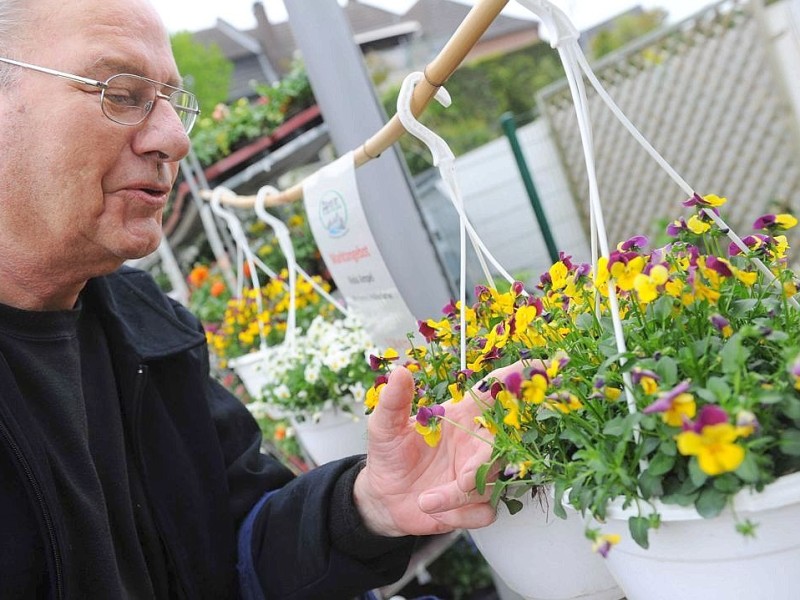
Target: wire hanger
243,253
445,160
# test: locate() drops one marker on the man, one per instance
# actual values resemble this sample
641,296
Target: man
126,472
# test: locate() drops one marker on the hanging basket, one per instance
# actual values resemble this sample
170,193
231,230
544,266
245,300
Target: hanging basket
543,557
252,370
694,558
332,433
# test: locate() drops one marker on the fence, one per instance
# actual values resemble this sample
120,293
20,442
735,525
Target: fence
710,95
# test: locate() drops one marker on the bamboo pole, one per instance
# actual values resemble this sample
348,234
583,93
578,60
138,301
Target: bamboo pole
438,71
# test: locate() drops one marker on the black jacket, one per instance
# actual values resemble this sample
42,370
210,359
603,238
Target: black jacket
198,451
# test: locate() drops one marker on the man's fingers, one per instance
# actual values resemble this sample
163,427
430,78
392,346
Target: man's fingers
394,404
450,497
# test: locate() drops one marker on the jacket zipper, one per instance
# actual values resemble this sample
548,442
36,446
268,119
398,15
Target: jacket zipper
138,391
48,520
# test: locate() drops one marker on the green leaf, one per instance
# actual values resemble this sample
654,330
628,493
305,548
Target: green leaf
668,447
668,369
695,474
558,507
789,442
584,322
720,388
608,347
660,464
791,408
748,471
480,477
530,436
744,307
638,527
733,354
777,336
650,485
770,398
615,427
514,506
727,484
710,503
662,308
680,499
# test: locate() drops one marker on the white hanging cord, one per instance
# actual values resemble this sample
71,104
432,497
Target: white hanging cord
240,239
673,174
285,243
444,159
580,100
273,275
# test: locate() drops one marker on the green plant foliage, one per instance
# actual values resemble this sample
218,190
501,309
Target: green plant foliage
224,128
625,29
205,69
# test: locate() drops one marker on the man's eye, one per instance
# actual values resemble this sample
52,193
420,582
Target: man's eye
121,97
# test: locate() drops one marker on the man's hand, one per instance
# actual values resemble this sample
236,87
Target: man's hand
409,488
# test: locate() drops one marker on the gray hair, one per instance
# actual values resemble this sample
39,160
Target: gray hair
11,25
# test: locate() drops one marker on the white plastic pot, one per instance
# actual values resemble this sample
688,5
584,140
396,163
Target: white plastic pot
250,369
543,557
333,435
691,558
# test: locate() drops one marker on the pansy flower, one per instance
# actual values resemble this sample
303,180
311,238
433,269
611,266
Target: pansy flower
721,324
428,423
382,361
373,393
624,267
675,406
649,281
710,200
517,470
675,228
794,372
603,543
775,222
712,439
647,379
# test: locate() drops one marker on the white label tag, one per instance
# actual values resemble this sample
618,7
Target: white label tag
347,246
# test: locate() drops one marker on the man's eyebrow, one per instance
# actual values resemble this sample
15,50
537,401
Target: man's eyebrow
112,66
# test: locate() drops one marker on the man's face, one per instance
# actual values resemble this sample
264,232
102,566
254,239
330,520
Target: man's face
76,188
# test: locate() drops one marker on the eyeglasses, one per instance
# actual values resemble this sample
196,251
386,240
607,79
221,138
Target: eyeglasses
128,99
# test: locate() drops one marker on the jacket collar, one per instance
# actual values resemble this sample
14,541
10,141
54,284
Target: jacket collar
140,316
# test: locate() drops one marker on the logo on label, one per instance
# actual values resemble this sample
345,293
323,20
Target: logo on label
333,214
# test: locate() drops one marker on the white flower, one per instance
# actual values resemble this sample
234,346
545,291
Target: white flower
258,409
283,392
358,391
312,373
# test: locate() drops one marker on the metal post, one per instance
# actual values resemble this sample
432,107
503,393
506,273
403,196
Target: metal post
510,129
347,100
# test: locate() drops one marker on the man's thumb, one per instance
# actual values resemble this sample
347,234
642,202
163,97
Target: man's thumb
394,404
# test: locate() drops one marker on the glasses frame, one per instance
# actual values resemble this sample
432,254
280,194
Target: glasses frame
103,86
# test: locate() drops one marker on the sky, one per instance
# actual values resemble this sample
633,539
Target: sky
193,15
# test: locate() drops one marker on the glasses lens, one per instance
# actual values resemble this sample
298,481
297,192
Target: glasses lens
186,105
127,99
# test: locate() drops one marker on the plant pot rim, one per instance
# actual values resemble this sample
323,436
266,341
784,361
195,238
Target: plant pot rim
783,491
247,359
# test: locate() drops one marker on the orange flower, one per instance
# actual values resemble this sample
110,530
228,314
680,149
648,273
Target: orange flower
217,288
280,433
198,276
